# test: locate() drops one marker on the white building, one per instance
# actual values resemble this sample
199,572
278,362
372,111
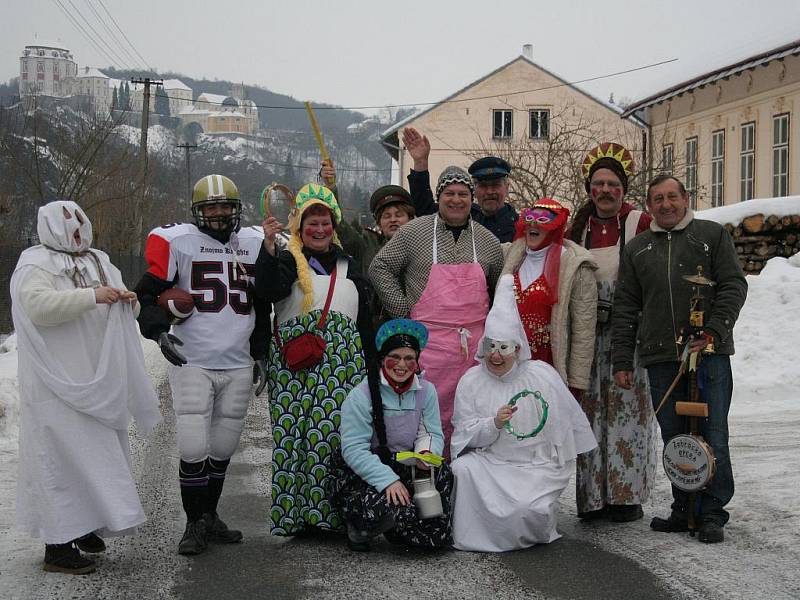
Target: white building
180,95
96,85
46,69
216,113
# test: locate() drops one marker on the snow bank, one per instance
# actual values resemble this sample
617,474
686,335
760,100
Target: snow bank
736,213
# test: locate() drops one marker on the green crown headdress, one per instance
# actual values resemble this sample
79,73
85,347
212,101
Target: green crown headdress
311,194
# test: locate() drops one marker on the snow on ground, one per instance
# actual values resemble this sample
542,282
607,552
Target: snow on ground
760,554
736,213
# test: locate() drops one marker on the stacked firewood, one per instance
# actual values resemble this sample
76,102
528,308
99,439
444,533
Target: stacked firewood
759,238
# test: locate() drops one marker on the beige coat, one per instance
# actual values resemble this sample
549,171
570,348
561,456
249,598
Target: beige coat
574,316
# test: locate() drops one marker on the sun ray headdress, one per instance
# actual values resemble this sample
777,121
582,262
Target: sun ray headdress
310,195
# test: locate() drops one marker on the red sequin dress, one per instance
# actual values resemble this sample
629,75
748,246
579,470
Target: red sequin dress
535,311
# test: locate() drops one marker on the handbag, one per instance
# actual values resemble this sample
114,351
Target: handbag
306,349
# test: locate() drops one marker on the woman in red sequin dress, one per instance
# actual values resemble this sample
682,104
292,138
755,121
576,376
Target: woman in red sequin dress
555,290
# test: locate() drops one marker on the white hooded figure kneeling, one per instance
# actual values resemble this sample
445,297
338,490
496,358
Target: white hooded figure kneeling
517,432
81,377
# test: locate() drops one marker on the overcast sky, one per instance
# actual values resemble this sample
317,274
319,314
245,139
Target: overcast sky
365,53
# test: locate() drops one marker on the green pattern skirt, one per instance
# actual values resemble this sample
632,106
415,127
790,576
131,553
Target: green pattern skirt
306,412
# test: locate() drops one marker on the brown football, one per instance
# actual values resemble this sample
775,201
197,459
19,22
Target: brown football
177,303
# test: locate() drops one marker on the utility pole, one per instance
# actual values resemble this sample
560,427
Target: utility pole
146,82
187,148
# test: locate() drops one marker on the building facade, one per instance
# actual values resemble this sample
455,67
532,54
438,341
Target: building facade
216,113
526,114
731,134
46,69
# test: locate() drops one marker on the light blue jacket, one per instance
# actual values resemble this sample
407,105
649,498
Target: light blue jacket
357,430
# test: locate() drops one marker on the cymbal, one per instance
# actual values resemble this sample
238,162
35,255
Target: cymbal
699,280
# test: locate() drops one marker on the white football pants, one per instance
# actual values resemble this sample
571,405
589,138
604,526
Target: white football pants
210,407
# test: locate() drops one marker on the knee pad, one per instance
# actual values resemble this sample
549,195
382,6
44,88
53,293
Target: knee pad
224,439
192,433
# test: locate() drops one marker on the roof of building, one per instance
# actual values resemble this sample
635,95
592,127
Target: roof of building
400,124
91,72
211,98
176,84
56,45
746,64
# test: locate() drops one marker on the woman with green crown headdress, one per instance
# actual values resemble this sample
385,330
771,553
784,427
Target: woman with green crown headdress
306,400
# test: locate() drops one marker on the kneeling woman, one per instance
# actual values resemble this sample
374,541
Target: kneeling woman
517,431
395,410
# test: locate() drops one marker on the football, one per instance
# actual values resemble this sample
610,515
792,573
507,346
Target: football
177,303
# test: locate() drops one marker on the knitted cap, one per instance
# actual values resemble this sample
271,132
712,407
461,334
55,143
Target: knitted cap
453,174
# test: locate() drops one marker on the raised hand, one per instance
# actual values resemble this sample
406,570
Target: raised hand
327,172
271,228
418,147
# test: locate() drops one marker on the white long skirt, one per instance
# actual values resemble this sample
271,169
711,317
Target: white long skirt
506,506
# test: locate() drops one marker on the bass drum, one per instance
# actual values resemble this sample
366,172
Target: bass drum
689,462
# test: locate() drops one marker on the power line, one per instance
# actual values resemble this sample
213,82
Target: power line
129,57
472,99
113,20
84,33
96,33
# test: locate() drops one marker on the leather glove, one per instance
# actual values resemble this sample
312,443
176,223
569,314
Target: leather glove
167,343
260,375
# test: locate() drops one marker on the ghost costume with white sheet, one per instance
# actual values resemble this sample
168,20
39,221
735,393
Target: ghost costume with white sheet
81,378
507,489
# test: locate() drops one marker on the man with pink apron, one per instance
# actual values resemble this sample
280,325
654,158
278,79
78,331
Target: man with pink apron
441,269
453,307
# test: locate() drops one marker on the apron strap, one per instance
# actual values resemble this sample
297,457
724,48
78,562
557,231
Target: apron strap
472,235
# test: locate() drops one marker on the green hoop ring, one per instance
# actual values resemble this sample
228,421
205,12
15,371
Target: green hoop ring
545,409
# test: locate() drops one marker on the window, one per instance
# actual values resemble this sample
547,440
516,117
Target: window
539,124
780,155
39,70
717,167
502,124
24,69
691,170
56,72
747,162
667,159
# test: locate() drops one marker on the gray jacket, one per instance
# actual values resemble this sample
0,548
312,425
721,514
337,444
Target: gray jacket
651,302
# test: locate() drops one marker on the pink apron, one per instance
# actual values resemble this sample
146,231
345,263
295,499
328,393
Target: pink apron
453,307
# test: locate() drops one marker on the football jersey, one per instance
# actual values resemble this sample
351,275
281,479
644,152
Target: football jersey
217,335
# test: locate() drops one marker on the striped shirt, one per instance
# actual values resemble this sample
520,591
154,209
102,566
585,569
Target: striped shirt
401,269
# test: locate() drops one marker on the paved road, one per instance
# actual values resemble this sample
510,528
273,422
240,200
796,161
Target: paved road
146,566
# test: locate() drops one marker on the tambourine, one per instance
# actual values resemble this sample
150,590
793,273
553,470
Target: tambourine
689,462
545,409
277,200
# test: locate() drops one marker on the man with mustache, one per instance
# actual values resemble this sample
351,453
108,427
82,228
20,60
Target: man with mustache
651,311
489,174
615,479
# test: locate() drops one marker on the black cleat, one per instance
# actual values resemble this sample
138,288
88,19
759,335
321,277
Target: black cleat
674,524
194,538
711,532
91,543
622,513
217,531
65,558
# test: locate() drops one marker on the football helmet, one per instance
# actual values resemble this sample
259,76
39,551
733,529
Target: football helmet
212,190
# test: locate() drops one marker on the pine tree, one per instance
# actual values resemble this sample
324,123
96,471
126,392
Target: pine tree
289,174
162,101
114,99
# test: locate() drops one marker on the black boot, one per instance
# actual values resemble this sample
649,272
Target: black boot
622,513
217,531
711,532
594,515
65,558
676,523
91,543
193,541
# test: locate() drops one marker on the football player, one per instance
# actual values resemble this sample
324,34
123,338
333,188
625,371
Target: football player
214,350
